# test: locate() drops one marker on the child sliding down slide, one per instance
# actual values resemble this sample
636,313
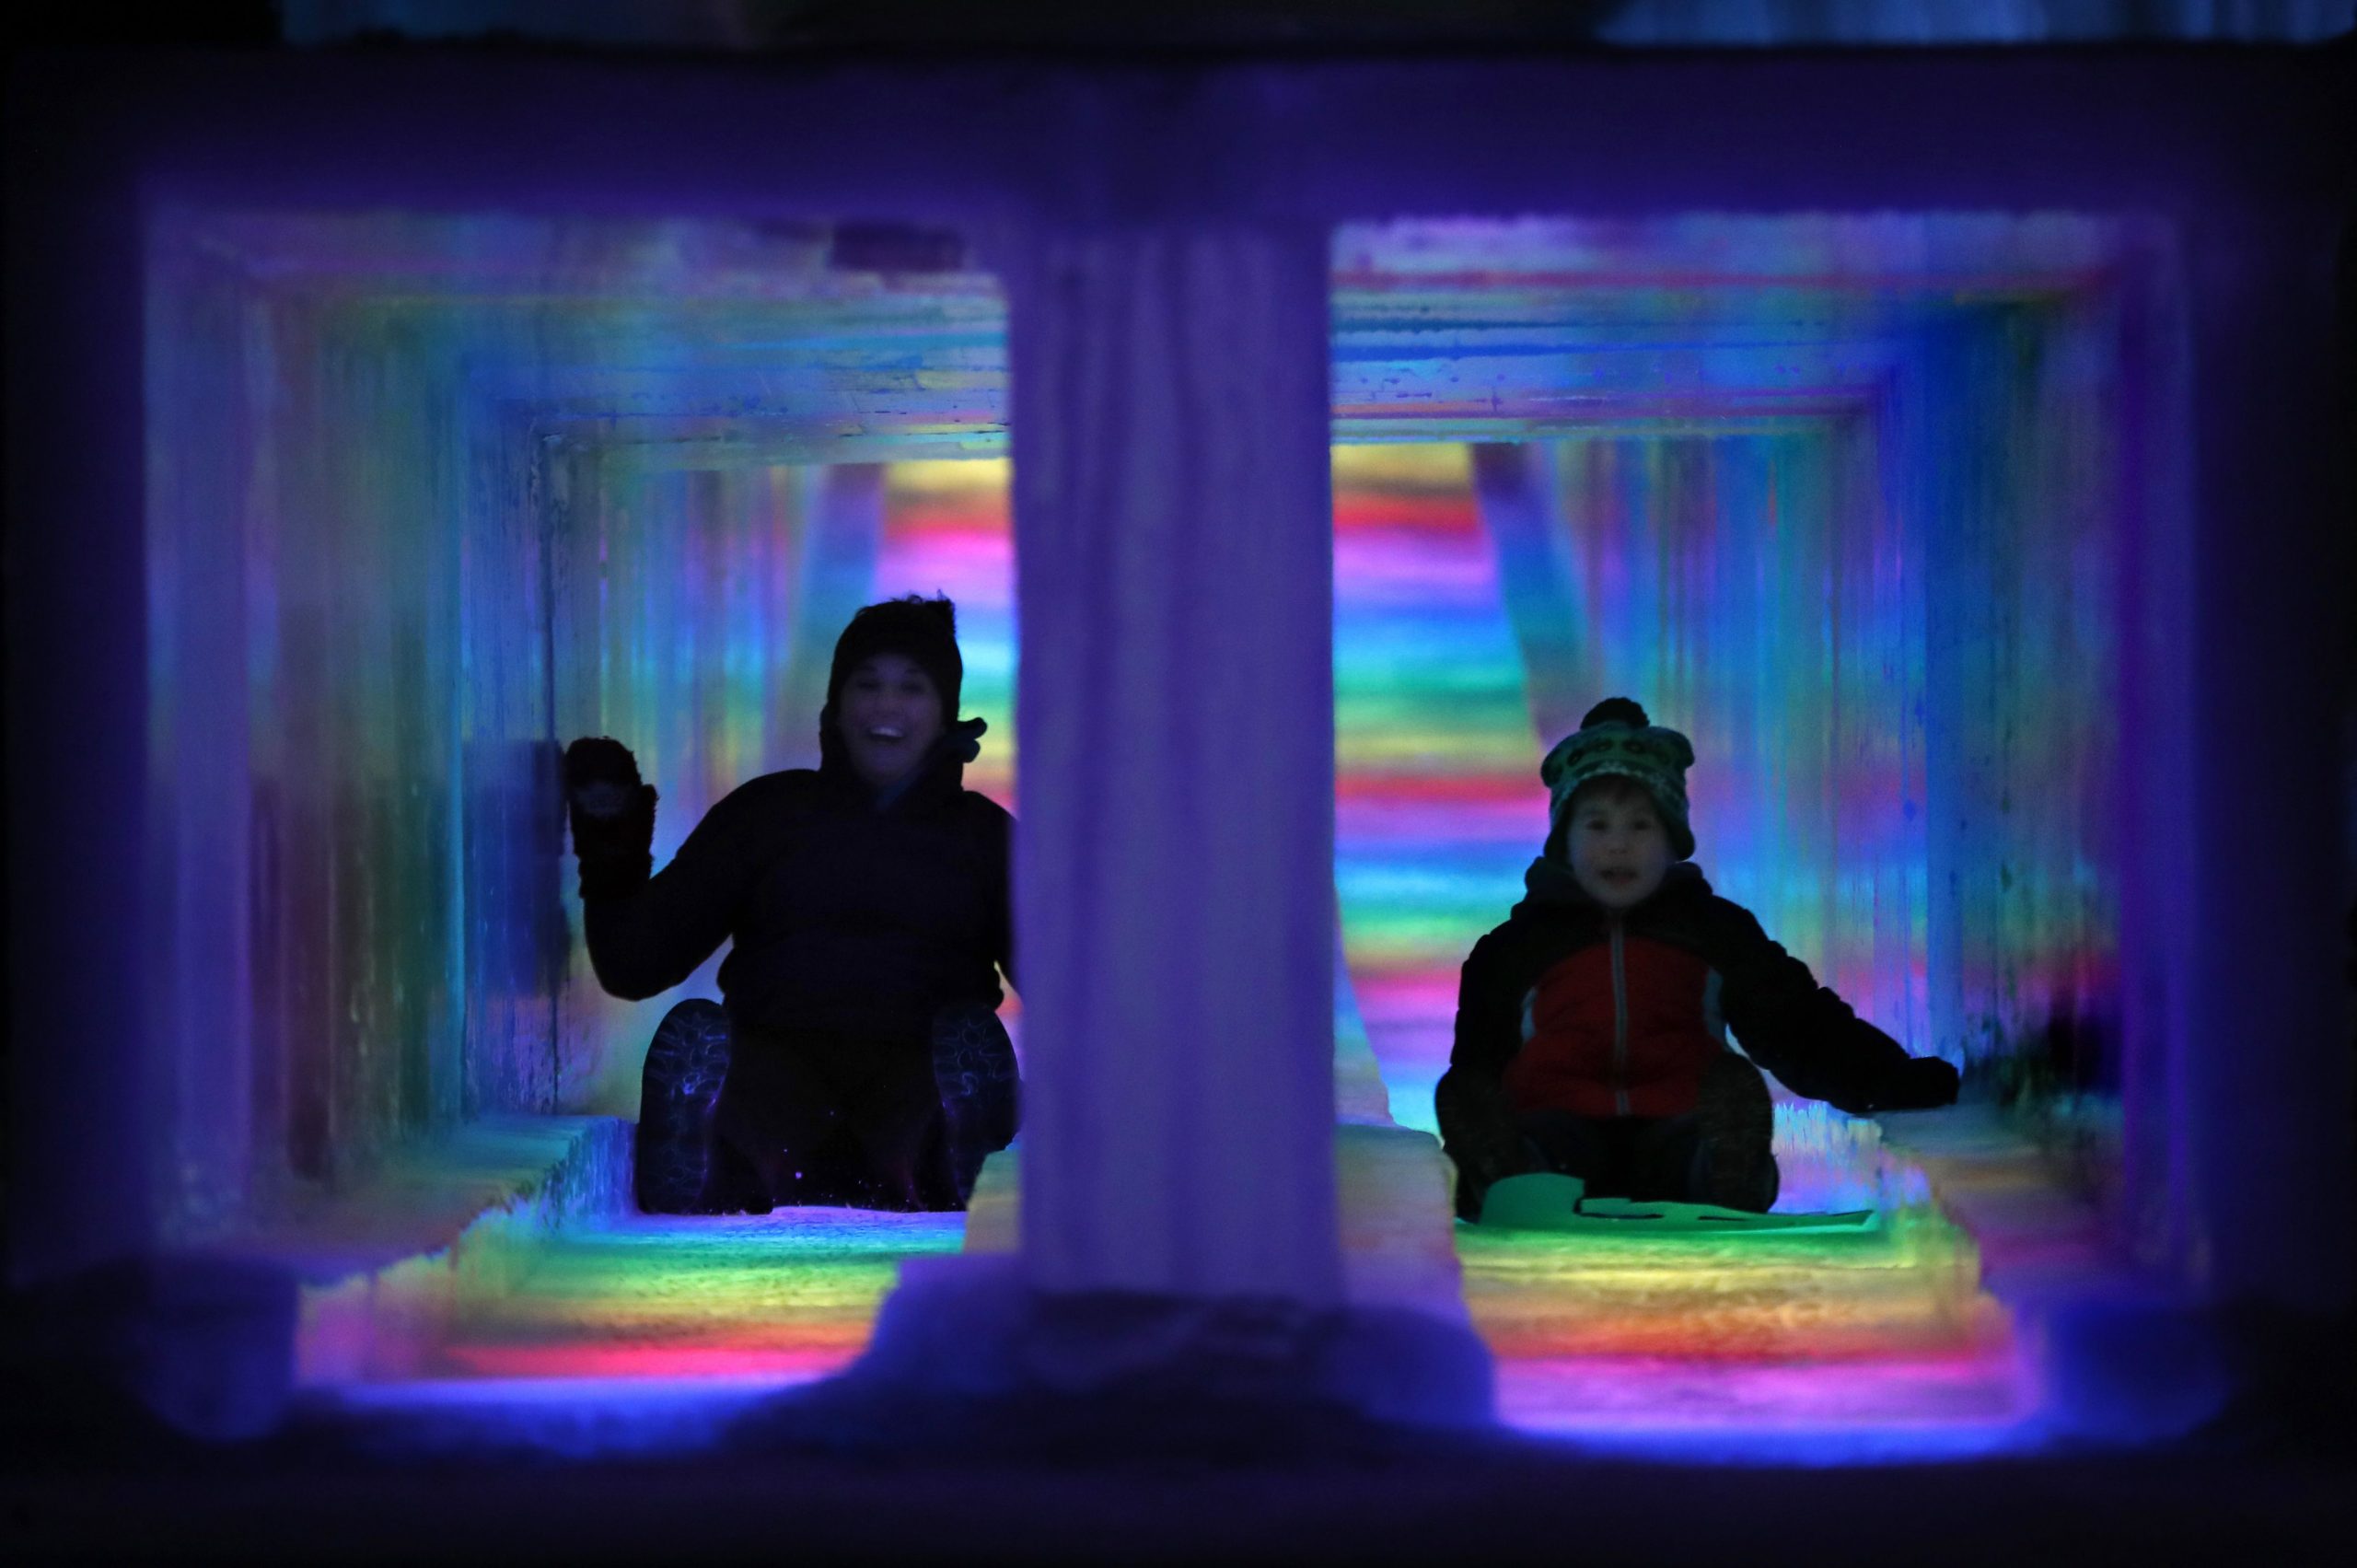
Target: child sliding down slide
1591,1027
858,1058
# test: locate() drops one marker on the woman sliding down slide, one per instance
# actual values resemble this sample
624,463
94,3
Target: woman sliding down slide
857,1056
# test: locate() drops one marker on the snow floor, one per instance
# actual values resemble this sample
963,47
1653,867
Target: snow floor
623,1332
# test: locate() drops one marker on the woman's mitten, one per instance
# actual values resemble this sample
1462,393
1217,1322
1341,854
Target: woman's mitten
613,817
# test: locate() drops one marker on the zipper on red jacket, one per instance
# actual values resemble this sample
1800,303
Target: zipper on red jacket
1619,1025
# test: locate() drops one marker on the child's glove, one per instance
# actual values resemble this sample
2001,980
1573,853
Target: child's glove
613,817
1921,1083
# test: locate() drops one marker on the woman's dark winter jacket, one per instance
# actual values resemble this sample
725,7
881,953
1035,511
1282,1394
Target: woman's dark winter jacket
852,911
1568,1006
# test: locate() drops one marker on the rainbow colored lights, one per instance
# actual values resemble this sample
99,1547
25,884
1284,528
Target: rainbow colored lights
780,1298
1837,497
1438,802
1818,1347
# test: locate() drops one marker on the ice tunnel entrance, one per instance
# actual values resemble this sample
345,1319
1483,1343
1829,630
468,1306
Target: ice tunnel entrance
1843,497
430,495
1851,500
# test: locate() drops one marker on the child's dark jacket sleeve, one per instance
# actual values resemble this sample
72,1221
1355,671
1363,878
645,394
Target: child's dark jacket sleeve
652,937
1488,1031
1810,1039
1475,1121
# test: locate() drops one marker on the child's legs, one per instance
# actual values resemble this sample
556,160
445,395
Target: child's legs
1565,1144
1719,1154
1651,1158
1734,1164
1599,1150
1664,1155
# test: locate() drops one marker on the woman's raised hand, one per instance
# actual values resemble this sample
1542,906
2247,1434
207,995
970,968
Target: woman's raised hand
613,816
600,776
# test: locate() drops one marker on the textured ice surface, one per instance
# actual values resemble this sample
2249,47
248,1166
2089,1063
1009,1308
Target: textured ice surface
1397,1246
1870,1343
1856,1342
780,1297
385,1269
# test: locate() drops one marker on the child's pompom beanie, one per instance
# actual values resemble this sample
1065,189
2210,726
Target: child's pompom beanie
1617,738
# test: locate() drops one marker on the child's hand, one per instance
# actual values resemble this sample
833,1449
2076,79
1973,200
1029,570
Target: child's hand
1921,1083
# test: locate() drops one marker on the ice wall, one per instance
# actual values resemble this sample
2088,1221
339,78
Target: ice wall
430,496
2235,542
1842,498
427,497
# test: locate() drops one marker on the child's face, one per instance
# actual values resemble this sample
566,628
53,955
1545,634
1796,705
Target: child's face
891,716
1616,843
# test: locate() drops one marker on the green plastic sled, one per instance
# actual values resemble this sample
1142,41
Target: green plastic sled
1546,1201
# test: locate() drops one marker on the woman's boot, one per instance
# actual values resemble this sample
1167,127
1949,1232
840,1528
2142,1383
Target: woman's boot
679,1169
973,1067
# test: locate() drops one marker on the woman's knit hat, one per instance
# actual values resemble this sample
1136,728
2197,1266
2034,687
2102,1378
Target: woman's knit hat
1616,740
923,631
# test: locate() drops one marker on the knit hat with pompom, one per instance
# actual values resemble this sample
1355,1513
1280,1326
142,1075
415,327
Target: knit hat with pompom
1616,740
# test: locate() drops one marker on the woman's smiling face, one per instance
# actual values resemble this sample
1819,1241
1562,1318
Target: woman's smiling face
1616,843
889,714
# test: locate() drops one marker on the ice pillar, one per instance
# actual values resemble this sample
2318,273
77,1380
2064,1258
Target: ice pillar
1174,870
1175,866
2261,928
